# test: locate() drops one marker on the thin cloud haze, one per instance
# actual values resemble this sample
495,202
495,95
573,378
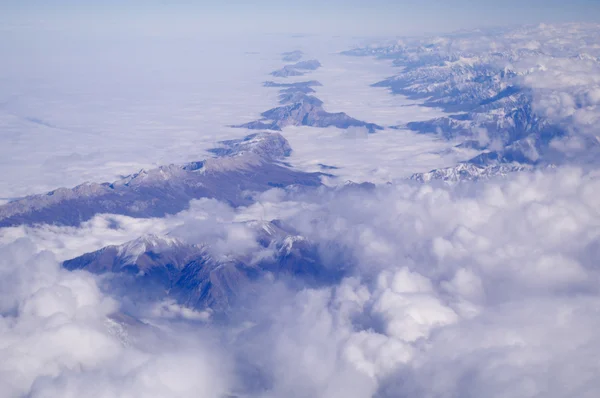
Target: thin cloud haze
379,17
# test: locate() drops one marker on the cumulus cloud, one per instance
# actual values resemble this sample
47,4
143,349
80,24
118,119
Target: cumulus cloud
566,91
207,220
565,78
59,338
486,288
481,289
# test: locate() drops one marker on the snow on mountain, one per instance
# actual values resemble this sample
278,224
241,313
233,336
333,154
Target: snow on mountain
468,172
131,251
518,93
298,108
164,267
242,166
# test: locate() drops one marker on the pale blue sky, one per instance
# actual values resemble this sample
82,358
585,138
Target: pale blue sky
358,17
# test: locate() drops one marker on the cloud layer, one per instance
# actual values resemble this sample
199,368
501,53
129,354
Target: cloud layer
486,288
60,336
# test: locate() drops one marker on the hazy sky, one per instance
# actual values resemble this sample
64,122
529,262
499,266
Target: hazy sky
358,17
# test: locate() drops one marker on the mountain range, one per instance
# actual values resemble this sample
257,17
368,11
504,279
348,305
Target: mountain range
250,164
162,267
300,108
483,84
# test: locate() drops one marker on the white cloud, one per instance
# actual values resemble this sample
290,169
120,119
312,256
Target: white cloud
465,291
206,220
479,289
382,157
99,111
487,288
56,339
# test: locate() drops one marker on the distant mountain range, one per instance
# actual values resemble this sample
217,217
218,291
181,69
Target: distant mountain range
251,164
299,108
480,80
297,69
